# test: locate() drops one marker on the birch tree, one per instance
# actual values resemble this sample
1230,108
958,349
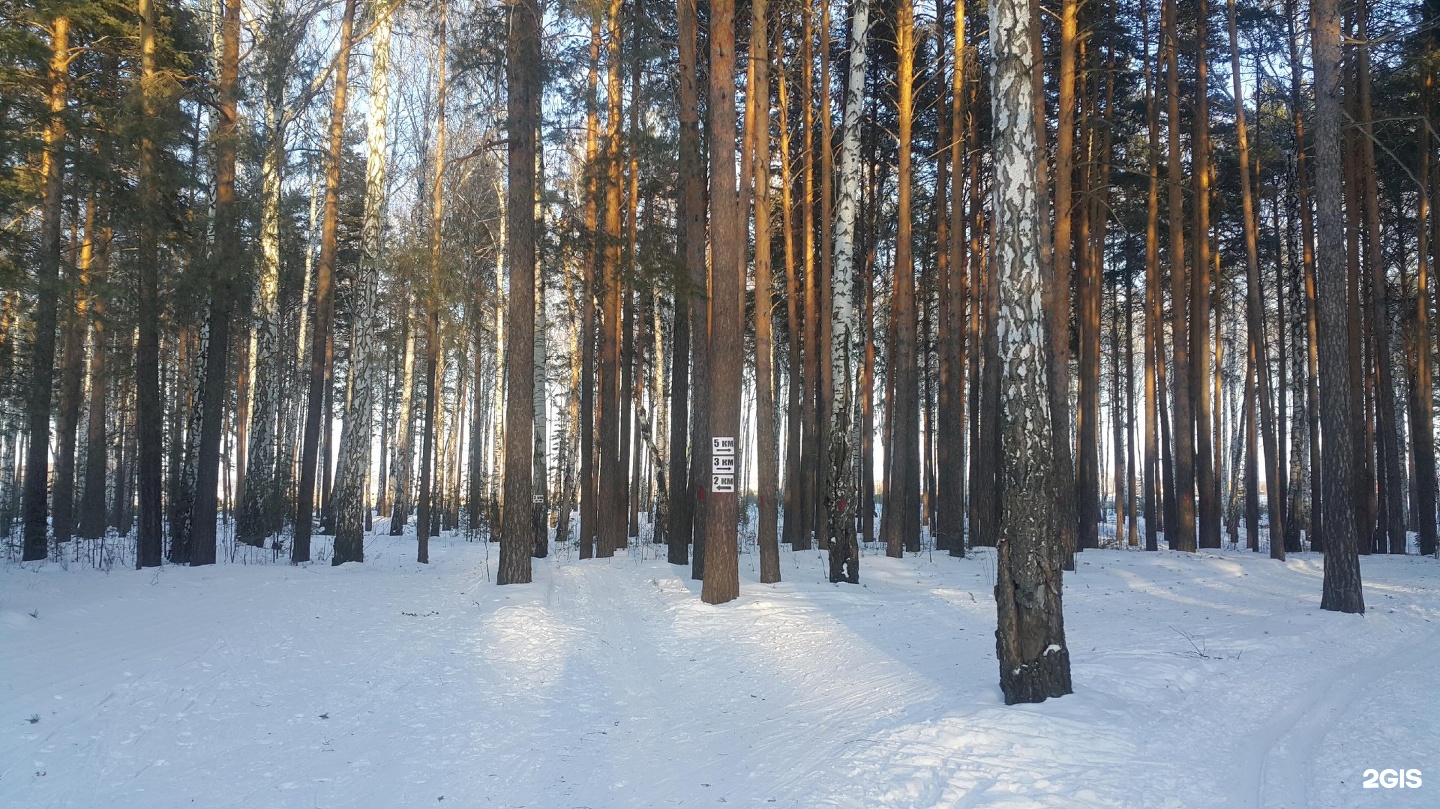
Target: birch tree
1030,638
840,478
350,476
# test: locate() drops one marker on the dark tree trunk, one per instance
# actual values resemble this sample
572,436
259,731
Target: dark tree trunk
1342,588
47,290
517,531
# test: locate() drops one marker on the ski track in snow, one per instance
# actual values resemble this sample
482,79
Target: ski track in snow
1208,679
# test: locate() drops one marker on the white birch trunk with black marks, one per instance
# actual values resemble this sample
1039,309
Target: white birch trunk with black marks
1030,636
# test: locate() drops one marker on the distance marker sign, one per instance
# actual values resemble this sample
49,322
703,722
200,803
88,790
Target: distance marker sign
722,464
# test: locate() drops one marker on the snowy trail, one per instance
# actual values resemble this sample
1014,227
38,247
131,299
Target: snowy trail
1201,680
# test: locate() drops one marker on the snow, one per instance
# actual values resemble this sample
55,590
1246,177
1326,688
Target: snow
1202,680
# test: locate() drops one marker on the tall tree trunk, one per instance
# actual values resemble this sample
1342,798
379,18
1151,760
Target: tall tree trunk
1200,354
589,514
611,484
324,297
47,291
1387,430
767,536
91,524
261,508
434,379
349,501
691,304
954,287
1030,638
721,581
1255,316
1154,305
517,529
1343,537
400,463
72,361
1422,419
902,491
794,492
149,411
224,260
811,449
840,477
1180,535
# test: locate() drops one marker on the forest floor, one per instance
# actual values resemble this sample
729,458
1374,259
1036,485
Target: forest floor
1201,680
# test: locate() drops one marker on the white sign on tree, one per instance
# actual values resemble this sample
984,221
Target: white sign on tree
722,464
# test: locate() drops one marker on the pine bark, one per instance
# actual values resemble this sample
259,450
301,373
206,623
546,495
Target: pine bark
721,582
691,320
47,285
901,518
1343,537
767,536
224,259
517,529
149,411
1255,317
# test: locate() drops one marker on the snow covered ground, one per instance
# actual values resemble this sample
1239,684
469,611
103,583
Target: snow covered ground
1209,680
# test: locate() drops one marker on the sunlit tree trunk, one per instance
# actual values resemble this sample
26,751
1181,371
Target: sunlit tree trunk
901,528
324,296
349,501
1254,316
34,503
766,462
1200,283
225,257
149,412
